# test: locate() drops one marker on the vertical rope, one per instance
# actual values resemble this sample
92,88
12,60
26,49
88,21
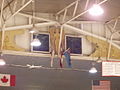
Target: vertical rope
2,27
3,37
61,32
32,12
2,12
92,40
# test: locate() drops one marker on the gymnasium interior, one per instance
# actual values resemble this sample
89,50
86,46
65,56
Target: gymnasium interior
59,45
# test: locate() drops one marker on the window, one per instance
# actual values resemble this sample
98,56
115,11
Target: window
44,39
75,44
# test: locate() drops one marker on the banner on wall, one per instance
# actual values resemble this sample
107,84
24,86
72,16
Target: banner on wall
7,80
111,68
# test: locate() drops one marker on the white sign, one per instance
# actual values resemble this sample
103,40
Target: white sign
110,68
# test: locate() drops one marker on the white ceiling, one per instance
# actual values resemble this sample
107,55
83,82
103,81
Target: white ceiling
111,8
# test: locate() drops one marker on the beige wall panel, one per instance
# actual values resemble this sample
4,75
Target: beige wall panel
101,48
9,41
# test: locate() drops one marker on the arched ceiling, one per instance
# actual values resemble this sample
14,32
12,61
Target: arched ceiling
111,7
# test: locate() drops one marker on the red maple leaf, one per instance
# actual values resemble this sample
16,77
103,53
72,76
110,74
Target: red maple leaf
4,79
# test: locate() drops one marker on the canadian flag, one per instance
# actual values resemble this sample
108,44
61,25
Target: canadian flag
7,80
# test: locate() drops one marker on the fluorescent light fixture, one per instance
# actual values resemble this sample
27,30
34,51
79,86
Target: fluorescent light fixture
36,42
93,70
33,66
96,10
2,62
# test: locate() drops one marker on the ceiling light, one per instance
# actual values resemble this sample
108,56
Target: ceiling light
36,42
33,30
2,62
96,10
93,70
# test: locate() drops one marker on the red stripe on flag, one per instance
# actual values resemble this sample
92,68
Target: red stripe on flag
103,85
12,80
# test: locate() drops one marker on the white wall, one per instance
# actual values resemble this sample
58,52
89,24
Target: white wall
87,47
97,28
